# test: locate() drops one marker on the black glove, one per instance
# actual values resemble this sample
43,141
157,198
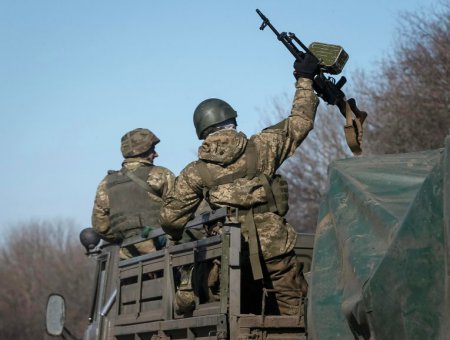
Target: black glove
308,67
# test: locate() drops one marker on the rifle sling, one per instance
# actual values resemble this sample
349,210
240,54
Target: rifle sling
143,184
353,127
249,228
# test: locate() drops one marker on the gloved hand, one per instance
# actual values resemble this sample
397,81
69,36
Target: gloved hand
306,68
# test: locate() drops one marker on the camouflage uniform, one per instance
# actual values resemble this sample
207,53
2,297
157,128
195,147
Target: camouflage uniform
223,152
160,181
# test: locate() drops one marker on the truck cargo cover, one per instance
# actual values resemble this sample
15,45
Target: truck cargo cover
381,256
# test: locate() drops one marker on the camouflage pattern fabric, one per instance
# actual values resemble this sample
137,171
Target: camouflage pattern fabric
137,141
160,180
145,247
185,296
285,285
223,153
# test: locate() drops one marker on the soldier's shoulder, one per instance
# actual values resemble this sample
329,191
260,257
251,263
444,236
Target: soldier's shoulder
191,170
191,174
191,167
111,172
160,169
278,128
103,183
273,134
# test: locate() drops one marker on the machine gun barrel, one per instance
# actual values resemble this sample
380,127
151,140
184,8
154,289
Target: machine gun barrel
283,37
266,22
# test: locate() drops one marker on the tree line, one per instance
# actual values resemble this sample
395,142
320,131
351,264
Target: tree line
39,258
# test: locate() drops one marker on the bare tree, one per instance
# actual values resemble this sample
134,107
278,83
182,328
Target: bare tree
39,258
307,169
409,96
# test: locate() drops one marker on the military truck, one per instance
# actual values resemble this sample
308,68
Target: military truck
381,262
380,268
134,298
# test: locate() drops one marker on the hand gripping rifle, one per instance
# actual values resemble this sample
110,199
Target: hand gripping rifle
331,59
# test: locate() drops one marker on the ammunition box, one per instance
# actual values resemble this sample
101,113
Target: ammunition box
332,57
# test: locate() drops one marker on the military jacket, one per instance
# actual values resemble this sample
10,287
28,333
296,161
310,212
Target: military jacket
224,153
107,217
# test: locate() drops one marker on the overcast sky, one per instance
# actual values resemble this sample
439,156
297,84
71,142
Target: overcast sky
76,75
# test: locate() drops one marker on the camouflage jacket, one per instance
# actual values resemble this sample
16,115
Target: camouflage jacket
223,153
160,179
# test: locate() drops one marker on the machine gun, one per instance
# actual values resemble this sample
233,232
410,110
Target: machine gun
331,59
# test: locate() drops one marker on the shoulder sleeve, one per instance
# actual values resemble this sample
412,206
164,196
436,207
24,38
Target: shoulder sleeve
100,211
181,202
161,180
277,142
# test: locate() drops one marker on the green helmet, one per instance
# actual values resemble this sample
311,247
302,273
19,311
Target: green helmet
211,112
89,238
137,141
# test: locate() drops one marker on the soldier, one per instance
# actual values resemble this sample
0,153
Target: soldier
235,171
129,200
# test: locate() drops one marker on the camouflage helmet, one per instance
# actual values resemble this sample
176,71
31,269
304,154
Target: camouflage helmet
137,141
211,112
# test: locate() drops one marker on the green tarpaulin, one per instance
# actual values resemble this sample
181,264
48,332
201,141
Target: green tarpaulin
380,267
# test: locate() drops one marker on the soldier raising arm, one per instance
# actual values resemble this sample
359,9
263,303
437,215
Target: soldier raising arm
235,171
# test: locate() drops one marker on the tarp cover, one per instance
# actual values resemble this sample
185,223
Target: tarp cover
380,267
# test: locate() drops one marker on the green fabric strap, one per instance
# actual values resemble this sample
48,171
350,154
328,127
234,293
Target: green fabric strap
205,174
259,209
230,177
143,184
251,159
269,193
255,261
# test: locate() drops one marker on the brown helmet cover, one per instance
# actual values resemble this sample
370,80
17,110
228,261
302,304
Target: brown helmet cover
137,141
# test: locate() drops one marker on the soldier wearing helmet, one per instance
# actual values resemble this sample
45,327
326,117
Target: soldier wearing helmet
128,200
233,170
